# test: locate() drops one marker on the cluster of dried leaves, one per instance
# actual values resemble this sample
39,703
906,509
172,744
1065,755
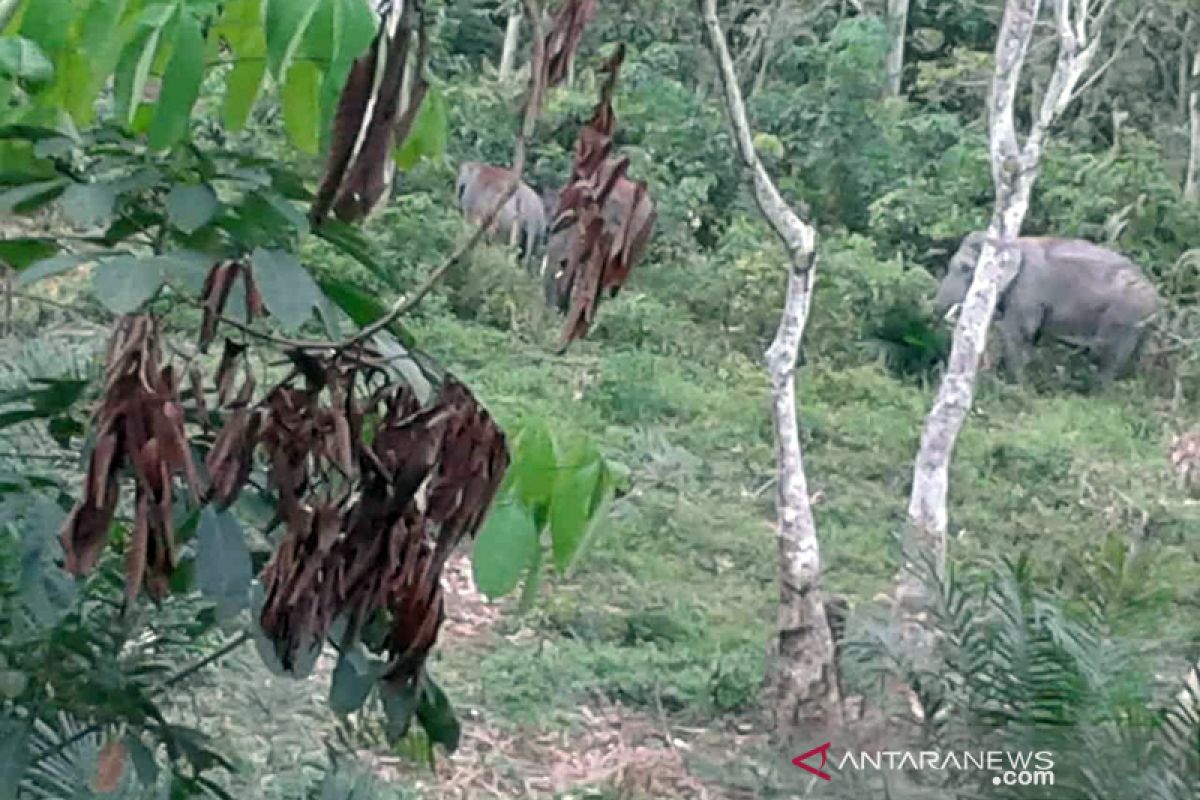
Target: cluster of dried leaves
370,116
374,491
608,217
370,525
139,424
564,37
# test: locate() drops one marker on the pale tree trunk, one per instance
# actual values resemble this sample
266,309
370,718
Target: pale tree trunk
897,22
805,676
508,54
1191,184
1014,170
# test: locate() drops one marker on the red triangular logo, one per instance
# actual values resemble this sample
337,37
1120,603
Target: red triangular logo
799,761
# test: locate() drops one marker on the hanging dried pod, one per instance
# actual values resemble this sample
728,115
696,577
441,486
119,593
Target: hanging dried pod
603,223
140,424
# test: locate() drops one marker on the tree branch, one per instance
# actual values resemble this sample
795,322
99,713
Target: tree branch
804,677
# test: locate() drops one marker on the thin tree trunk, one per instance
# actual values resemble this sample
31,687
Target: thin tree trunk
897,22
1014,170
805,676
1191,184
508,55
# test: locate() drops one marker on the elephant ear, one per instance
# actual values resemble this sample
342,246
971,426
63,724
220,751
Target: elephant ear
974,241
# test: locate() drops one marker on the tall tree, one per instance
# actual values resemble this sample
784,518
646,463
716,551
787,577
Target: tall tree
1015,168
805,685
897,21
512,32
1191,184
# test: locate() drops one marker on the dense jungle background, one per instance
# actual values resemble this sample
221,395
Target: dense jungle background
637,673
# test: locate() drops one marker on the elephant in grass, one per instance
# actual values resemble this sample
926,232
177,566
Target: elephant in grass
1067,289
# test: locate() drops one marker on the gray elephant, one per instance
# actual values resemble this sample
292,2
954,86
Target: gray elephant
520,222
1068,289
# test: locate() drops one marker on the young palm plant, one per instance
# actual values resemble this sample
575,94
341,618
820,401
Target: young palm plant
1022,669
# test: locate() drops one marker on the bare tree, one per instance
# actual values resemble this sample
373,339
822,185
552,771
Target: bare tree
1191,184
508,53
897,22
804,675
1014,170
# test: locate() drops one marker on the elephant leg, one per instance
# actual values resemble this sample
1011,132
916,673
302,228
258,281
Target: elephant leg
1017,333
1118,350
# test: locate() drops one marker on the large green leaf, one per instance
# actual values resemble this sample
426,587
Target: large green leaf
579,501
363,307
48,22
22,59
286,22
241,27
94,56
48,268
88,204
288,291
31,196
429,133
191,206
223,569
535,463
137,58
180,86
20,253
504,549
124,283
301,106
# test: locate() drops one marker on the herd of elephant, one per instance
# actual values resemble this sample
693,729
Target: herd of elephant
525,220
1065,289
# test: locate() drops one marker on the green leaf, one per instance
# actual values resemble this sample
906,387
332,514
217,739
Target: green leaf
180,86
301,106
22,59
504,549
223,570
124,283
241,27
14,755
31,196
361,306
285,24
288,291
399,706
97,50
20,253
535,464
88,204
143,760
137,58
573,511
352,681
427,138
50,26
48,268
437,715
191,206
